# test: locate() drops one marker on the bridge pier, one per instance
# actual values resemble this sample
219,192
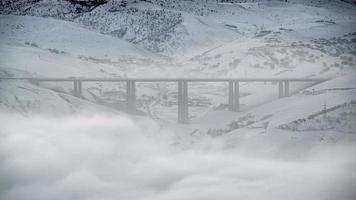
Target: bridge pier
183,111
234,96
283,89
280,91
131,96
77,88
286,88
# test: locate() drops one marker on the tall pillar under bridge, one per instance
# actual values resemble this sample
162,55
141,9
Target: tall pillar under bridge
131,96
183,112
234,96
283,89
77,88
183,104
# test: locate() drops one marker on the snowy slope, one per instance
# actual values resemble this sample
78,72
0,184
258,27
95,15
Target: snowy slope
297,147
65,36
39,47
24,98
226,40
329,106
167,31
171,27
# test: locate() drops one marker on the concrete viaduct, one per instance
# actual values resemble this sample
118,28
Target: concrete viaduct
233,83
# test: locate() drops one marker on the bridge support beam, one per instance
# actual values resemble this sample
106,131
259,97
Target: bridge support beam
280,89
77,88
283,89
231,95
183,111
286,88
131,96
234,96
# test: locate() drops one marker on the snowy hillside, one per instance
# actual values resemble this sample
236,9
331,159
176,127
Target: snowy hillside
53,48
238,40
327,106
185,27
54,145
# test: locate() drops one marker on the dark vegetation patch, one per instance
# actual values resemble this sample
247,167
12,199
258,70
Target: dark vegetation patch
327,119
55,51
31,44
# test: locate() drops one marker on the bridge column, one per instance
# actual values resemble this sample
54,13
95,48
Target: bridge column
234,96
131,96
237,97
79,89
280,86
183,112
231,96
286,88
77,85
75,88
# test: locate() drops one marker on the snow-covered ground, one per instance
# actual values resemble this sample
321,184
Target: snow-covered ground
88,148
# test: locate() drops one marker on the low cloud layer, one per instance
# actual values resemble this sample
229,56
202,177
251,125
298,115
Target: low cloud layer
104,158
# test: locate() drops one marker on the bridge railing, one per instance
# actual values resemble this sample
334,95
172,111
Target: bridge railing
183,83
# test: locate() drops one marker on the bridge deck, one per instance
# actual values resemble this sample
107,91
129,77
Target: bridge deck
91,79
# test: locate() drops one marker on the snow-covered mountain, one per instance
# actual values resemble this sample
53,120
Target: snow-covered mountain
250,39
54,145
178,28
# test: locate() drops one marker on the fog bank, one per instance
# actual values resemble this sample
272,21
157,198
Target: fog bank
103,158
